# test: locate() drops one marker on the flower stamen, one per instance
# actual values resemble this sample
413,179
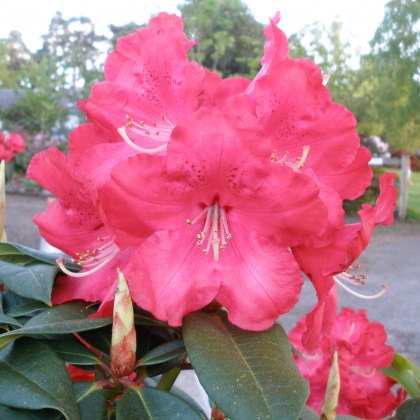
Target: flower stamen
90,260
156,132
383,290
297,164
215,229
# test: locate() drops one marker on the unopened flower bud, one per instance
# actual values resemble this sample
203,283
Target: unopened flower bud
329,409
123,343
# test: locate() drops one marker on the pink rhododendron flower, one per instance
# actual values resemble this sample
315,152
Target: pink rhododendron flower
73,222
177,163
268,172
365,391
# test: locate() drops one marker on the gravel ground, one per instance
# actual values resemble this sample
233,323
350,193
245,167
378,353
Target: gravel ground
392,258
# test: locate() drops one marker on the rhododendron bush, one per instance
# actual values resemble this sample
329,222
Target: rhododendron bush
188,211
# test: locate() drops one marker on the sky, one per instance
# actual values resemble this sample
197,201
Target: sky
31,17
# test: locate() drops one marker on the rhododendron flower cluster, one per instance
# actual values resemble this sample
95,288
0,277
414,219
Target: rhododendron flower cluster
11,146
202,189
364,391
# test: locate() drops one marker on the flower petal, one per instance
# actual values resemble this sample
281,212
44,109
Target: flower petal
170,277
260,279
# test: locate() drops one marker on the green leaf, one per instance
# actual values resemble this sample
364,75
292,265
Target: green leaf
62,319
151,403
163,353
9,413
4,319
160,368
14,252
91,401
406,373
32,279
247,374
26,308
410,410
72,351
32,376
100,339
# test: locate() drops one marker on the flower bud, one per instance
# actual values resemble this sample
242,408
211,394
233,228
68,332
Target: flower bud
123,343
329,409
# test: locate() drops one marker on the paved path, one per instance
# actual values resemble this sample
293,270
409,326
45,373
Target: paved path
393,258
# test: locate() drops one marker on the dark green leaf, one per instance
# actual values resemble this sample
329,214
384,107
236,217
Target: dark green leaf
148,321
247,374
32,376
72,351
8,413
4,319
406,373
159,369
163,353
410,410
33,279
100,339
151,403
91,401
62,319
26,308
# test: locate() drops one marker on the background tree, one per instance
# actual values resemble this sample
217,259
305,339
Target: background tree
332,52
14,58
75,45
229,39
394,72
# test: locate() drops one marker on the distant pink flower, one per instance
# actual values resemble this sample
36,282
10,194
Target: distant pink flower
365,391
16,143
11,146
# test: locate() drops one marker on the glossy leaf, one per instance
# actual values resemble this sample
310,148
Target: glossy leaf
151,403
406,373
410,410
160,368
163,353
31,279
4,319
72,351
9,413
91,401
26,308
13,252
62,319
32,376
247,374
